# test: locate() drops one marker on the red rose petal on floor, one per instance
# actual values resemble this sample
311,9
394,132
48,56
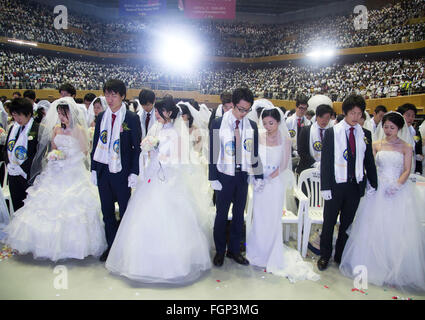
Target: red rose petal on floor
218,280
149,181
326,287
395,298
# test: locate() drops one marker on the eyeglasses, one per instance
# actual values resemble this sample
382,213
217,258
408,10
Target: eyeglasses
242,110
302,108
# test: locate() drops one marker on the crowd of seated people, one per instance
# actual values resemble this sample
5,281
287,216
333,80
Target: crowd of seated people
26,20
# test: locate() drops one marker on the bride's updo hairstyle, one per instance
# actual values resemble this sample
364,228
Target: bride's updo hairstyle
395,118
167,105
274,113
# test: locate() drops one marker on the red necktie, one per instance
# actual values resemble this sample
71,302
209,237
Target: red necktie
148,117
299,122
352,141
113,120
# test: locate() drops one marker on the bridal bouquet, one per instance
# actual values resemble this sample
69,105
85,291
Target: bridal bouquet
55,155
149,143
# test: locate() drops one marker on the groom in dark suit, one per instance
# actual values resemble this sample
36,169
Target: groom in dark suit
343,176
116,185
237,143
22,111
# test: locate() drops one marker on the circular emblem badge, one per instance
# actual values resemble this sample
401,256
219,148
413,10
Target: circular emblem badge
229,148
104,136
248,143
317,146
11,145
21,153
292,133
345,154
117,146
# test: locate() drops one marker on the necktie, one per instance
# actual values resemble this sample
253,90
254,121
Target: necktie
238,144
352,141
148,117
299,122
321,134
113,121
21,128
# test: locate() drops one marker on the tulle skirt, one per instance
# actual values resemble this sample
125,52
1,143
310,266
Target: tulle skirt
61,217
387,237
161,238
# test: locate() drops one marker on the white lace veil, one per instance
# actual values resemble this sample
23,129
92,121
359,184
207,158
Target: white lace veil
259,103
284,137
3,117
403,133
79,131
91,115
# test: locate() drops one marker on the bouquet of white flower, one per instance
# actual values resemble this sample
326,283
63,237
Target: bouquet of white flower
55,155
149,143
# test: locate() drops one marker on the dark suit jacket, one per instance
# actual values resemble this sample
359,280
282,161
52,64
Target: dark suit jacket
212,117
327,163
129,145
215,145
303,146
31,150
418,150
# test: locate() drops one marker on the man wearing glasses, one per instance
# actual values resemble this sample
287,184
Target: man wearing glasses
233,157
295,123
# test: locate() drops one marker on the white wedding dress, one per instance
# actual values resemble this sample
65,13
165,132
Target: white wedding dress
387,236
61,217
265,246
162,237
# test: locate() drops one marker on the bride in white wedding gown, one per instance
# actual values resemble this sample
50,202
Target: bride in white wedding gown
265,246
387,236
61,215
162,237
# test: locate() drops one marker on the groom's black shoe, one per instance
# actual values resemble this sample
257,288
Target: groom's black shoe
218,260
238,258
104,256
322,264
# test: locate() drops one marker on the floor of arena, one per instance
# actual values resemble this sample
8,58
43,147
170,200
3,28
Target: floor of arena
22,277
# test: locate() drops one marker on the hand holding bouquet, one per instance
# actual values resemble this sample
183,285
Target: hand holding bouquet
55,155
149,143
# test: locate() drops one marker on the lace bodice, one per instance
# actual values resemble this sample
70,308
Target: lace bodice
69,146
389,165
270,158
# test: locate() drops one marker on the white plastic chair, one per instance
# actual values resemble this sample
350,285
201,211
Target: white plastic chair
290,217
314,210
5,189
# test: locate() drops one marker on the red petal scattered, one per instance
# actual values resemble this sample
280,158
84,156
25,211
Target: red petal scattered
149,181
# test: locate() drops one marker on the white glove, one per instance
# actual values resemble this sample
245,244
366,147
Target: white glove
94,177
132,180
326,194
295,154
370,191
258,185
316,165
392,189
16,170
216,185
267,179
419,157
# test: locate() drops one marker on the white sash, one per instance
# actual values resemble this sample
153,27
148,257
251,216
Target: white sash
17,151
315,143
341,152
108,148
292,125
226,157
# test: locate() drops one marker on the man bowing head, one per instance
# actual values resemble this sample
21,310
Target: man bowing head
233,157
115,156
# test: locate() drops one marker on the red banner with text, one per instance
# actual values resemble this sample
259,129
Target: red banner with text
210,9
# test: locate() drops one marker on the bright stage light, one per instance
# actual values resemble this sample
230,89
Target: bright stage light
178,50
321,53
26,43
